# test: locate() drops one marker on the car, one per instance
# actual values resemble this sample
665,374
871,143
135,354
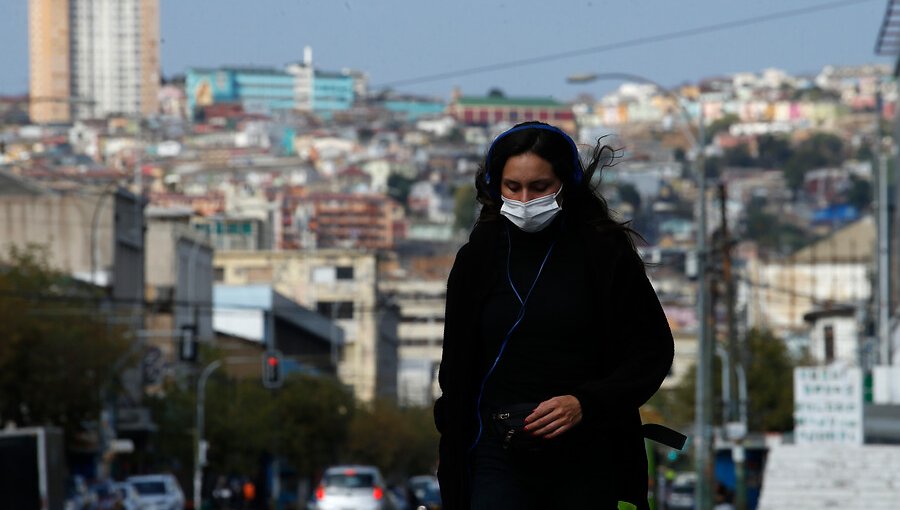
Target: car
681,493
426,492
128,496
352,486
157,492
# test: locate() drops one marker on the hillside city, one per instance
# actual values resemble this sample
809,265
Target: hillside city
238,274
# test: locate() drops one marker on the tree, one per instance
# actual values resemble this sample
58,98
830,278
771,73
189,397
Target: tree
630,195
58,351
398,188
402,441
739,156
819,151
773,151
770,388
464,207
859,194
721,125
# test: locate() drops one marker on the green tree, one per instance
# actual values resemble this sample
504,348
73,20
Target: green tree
819,151
630,195
721,125
398,188
860,193
402,441
464,207
773,151
58,351
770,388
739,156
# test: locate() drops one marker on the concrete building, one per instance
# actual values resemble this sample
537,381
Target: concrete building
421,334
834,270
49,65
250,319
92,58
179,284
483,111
340,285
257,89
94,235
351,220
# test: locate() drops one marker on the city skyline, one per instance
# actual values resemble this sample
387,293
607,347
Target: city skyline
378,41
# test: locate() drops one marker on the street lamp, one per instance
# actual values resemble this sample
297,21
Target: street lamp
703,410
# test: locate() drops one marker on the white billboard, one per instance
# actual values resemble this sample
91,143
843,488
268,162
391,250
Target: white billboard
828,405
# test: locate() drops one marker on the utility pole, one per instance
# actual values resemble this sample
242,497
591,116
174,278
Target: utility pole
884,297
703,410
734,425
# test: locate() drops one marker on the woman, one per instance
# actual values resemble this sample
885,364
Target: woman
553,339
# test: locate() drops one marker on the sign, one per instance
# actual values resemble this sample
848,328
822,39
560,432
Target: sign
828,405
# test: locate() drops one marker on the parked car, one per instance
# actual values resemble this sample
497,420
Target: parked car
128,496
681,493
426,492
356,487
157,492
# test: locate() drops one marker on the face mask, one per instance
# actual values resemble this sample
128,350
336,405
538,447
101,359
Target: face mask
533,215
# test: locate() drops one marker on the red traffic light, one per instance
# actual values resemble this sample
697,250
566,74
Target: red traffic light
272,373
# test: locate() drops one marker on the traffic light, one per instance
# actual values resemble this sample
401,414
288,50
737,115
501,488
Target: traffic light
272,369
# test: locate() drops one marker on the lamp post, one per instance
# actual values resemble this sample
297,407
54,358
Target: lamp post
200,458
703,406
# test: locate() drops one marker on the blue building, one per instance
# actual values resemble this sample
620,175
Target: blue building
259,90
332,92
415,108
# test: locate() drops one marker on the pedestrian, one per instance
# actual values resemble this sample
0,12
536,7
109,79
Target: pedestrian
553,338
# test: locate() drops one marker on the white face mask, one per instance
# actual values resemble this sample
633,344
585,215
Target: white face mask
533,215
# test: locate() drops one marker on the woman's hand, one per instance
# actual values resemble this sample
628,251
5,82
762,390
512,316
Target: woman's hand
553,417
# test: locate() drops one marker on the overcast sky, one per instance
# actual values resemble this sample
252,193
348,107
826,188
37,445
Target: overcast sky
397,40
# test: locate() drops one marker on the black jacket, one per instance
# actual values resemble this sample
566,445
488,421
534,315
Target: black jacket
637,346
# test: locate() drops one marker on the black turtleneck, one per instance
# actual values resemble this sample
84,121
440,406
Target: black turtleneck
555,347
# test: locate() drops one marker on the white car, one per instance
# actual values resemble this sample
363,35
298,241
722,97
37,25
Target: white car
356,487
128,496
157,492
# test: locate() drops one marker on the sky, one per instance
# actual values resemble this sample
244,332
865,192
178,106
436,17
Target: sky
399,42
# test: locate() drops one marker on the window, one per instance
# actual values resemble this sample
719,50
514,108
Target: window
219,273
335,309
323,275
345,273
829,343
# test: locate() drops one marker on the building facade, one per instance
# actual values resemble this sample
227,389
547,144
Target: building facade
487,110
257,90
340,285
92,58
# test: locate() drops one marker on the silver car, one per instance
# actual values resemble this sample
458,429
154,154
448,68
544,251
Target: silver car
352,488
157,492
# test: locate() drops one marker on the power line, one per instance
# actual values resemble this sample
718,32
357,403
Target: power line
628,43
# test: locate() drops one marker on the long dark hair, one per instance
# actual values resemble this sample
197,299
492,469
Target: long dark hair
581,197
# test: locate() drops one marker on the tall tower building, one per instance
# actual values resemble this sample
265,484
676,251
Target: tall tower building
111,55
48,54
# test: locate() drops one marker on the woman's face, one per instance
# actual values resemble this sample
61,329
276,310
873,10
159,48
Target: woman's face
528,176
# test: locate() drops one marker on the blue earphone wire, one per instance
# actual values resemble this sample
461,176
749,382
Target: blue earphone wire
521,315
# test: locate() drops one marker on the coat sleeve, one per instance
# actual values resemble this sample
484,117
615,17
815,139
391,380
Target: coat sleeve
449,372
641,350
447,408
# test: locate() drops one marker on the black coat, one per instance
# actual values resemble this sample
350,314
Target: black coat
637,346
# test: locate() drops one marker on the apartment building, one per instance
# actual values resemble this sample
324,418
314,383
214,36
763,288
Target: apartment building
340,285
92,58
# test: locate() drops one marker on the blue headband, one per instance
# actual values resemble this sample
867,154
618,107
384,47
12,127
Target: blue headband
576,162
